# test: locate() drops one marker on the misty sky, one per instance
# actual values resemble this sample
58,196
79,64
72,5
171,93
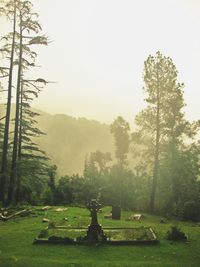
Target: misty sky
98,49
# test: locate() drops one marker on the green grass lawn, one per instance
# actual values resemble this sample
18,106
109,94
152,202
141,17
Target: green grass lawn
17,249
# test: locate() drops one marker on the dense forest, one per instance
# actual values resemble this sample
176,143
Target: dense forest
154,167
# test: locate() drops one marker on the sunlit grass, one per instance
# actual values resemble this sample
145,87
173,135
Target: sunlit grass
17,249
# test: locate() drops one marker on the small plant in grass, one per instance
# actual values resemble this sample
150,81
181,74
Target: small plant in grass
80,238
175,234
43,233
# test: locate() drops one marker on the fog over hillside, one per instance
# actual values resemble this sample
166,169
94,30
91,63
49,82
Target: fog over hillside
69,140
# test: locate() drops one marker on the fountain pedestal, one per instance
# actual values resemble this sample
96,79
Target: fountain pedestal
95,232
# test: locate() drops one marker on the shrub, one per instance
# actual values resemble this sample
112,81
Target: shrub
175,234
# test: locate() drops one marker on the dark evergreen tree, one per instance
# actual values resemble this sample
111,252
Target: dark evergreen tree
11,11
28,25
120,130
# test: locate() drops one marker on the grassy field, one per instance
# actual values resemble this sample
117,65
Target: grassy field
17,248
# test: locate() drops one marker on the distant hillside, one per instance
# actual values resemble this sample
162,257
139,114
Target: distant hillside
68,140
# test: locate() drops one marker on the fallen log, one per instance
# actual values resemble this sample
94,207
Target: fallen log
19,213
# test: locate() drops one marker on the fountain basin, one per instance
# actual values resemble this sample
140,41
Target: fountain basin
114,236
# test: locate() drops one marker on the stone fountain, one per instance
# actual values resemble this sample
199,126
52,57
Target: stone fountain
95,234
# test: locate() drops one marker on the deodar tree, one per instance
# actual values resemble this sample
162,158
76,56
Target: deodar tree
120,130
28,36
10,10
18,49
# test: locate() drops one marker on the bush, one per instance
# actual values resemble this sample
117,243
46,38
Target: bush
175,234
23,205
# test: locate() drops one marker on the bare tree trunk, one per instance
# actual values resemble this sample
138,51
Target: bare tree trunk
4,163
157,148
175,183
13,174
18,184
